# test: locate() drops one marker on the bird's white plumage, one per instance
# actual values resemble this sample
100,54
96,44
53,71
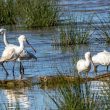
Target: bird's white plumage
101,58
84,64
10,56
14,51
24,54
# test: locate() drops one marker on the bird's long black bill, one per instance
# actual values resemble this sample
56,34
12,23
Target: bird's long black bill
30,46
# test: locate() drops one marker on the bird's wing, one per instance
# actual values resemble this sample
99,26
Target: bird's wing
9,55
80,63
25,55
101,58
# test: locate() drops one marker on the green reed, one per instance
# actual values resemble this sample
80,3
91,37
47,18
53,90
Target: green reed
76,32
105,94
88,95
31,13
104,28
76,97
7,12
38,12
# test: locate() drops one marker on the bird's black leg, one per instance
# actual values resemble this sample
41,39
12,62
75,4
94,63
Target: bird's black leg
21,68
5,69
107,67
95,69
13,68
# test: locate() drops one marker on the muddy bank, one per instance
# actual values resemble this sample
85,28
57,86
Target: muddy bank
50,82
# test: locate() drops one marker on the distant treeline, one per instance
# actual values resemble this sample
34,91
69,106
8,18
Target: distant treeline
30,13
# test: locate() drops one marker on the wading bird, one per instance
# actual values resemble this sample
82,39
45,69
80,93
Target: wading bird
84,64
12,53
25,55
101,58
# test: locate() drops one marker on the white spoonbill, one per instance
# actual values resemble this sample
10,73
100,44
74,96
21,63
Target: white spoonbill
12,53
101,58
84,64
25,54
17,49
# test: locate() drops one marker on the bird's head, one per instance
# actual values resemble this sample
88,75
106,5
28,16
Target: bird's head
2,30
22,38
88,56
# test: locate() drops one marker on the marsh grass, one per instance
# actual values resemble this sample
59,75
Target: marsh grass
76,97
38,13
73,36
31,13
104,28
7,12
77,31
94,95
105,94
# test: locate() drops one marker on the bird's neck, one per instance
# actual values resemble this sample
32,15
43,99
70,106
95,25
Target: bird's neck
21,45
88,60
5,39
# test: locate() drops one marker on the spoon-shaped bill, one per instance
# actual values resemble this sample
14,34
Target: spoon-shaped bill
31,46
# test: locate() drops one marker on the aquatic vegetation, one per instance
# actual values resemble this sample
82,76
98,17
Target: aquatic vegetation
76,32
104,28
72,37
76,97
83,95
8,12
105,94
38,12
31,13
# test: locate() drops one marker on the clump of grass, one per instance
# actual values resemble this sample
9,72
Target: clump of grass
105,94
7,12
38,13
74,33
104,28
31,13
76,97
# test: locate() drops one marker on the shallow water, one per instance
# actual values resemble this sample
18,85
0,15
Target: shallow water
51,59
